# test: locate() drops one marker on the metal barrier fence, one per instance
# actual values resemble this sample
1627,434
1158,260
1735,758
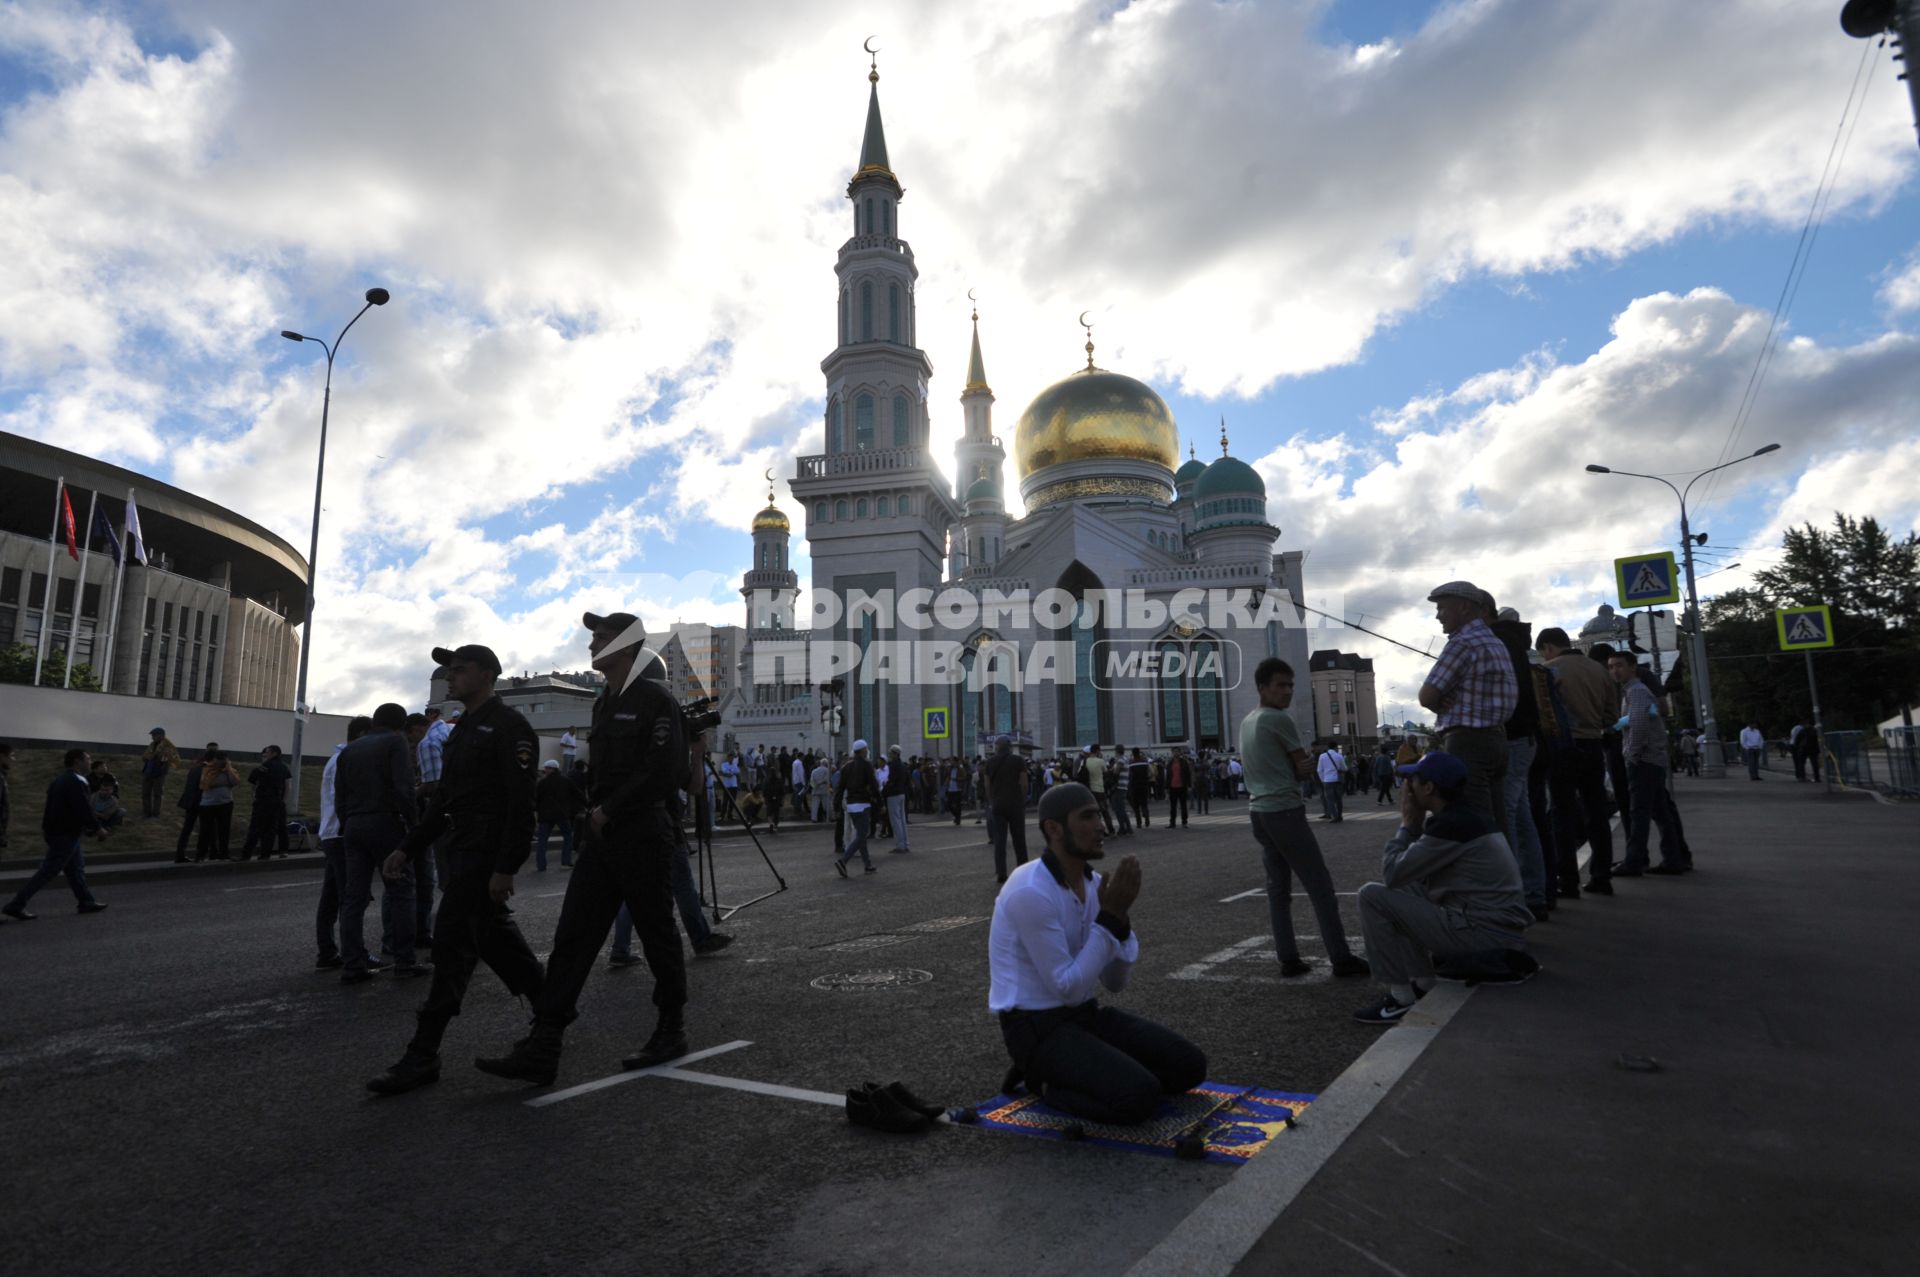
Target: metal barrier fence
1895,768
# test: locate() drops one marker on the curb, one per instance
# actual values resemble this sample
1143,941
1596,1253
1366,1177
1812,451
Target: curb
1217,1235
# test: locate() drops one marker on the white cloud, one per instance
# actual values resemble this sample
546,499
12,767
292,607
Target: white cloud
1901,292
610,230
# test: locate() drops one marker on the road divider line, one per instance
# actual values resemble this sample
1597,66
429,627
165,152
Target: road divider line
275,886
757,1088
601,1084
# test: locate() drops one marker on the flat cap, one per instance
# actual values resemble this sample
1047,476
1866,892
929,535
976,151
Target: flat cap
621,621
1458,590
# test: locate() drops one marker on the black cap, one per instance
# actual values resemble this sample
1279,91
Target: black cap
467,652
621,621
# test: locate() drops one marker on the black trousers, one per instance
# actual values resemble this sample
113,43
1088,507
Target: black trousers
627,866
1099,1062
1176,806
216,831
472,928
267,823
1578,783
189,817
1139,797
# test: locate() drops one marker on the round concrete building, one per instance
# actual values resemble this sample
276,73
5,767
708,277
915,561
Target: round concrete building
212,616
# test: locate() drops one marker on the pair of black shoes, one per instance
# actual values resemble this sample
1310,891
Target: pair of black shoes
410,1073
891,1108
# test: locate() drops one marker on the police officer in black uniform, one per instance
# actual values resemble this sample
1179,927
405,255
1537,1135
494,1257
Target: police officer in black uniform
485,803
638,764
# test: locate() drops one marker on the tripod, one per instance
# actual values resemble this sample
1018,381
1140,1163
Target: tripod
703,844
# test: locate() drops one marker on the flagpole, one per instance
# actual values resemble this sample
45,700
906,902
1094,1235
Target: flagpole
113,619
80,591
46,603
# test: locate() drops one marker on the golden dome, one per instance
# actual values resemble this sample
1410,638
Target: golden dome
1095,415
771,519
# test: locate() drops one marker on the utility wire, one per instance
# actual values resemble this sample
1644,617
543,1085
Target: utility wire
1802,253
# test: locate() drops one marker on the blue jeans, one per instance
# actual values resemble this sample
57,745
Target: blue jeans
369,840
327,913
861,821
544,832
1118,802
897,816
1649,787
1753,762
686,894
1523,838
63,857
1333,799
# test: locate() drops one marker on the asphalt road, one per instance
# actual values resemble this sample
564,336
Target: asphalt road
186,1093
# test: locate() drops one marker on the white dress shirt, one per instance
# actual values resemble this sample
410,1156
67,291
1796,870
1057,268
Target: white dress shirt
329,818
1750,738
799,774
1329,766
1045,949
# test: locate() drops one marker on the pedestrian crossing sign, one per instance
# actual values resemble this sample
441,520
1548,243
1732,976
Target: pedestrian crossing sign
1647,579
934,723
1804,628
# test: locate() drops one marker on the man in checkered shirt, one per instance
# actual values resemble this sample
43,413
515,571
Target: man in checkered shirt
1472,692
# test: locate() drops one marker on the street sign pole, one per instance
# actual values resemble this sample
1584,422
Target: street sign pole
1819,732
1713,760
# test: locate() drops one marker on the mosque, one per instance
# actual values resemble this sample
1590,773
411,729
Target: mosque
1111,511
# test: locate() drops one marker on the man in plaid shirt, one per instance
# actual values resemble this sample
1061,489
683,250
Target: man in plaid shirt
1472,692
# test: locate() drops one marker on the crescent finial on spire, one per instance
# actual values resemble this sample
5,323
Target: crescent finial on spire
873,60
1223,434
1089,327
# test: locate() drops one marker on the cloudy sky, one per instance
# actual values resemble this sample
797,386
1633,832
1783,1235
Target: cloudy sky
1428,260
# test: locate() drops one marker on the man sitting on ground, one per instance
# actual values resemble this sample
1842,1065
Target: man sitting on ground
1060,929
1451,889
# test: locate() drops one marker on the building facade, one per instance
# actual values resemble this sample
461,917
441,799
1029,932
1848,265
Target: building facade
211,616
1124,552
1344,708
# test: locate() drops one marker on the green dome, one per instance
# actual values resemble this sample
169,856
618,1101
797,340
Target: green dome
1191,470
983,489
1229,476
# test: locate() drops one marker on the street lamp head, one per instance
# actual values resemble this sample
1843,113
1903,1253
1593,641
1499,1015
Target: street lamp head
1598,470
1761,452
378,296
290,335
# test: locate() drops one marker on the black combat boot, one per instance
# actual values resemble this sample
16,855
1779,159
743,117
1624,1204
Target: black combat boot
669,1042
411,1072
534,1058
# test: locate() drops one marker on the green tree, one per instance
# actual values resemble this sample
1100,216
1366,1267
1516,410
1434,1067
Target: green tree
1871,580
16,666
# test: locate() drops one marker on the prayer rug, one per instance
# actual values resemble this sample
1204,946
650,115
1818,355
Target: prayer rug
1235,1121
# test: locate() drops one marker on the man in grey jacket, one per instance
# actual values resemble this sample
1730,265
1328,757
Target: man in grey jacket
1452,888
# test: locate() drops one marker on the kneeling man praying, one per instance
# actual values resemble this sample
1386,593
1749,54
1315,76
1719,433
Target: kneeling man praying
1060,929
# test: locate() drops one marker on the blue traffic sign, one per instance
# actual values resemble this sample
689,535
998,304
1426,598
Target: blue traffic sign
1647,579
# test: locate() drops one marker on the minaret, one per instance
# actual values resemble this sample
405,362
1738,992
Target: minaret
770,586
979,469
878,510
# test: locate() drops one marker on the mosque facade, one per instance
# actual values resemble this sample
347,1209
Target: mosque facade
1152,585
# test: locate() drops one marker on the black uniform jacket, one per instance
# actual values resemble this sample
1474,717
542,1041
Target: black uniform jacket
639,754
485,794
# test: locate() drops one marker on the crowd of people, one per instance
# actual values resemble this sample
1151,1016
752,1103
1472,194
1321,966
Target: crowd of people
1537,746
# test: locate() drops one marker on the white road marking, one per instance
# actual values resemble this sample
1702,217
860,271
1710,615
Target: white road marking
1255,948
600,1084
758,1088
276,886
1262,893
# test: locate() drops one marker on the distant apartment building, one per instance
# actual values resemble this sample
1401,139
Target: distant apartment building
1344,708
701,659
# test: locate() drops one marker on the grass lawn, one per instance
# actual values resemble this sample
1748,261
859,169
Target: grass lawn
34,770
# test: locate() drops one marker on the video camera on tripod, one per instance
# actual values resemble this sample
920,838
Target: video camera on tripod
699,716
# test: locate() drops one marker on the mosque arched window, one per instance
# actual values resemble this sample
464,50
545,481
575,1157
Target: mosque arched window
1172,696
866,310
902,419
869,215
863,423
1207,711
893,312
886,217
833,426
860,508
883,507
906,505
819,512
845,303
840,512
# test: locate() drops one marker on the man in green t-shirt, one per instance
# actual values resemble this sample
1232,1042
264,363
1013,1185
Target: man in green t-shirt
1275,764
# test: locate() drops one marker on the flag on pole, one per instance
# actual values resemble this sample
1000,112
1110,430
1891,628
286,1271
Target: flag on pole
66,517
136,548
103,528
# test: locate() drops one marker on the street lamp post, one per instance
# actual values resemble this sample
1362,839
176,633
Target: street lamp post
375,297
1712,759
